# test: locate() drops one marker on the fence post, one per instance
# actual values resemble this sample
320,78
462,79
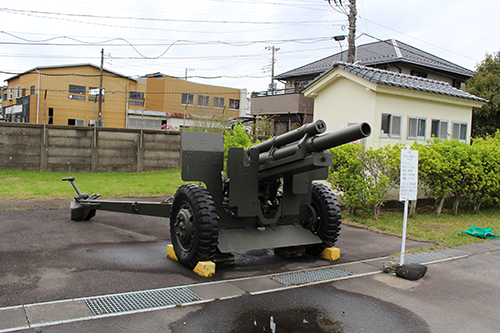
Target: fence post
94,151
44,149
140,152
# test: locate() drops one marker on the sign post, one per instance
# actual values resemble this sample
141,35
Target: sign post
407,188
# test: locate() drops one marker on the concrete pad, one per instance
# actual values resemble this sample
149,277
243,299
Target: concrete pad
362,268
13,318
478,247
56,312
393,281
455,252
258,284
377,263
217,290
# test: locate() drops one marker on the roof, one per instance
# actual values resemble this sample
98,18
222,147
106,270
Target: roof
379,76
71,65
382,52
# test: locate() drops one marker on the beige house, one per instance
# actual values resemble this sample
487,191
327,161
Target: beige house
400,108
292,109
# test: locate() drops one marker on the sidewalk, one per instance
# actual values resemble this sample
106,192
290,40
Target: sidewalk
75,310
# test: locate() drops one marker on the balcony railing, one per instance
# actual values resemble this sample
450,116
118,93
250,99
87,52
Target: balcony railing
276,92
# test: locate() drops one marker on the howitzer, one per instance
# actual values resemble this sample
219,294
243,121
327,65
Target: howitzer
267,200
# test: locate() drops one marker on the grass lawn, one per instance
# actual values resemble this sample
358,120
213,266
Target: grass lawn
444,230
15,184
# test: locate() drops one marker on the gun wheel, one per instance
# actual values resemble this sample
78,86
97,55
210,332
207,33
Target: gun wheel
324,218
193,225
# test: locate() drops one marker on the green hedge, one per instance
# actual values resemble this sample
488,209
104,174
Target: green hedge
467,174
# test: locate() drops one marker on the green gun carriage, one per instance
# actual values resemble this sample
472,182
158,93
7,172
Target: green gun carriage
266,199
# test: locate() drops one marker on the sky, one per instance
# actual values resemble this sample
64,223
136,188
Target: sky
228,42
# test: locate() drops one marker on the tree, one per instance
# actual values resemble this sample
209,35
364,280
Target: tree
486,84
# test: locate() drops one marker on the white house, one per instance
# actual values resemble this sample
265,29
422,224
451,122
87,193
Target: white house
400,108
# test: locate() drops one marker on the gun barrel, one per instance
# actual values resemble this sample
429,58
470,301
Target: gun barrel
311,129
323,142
343,136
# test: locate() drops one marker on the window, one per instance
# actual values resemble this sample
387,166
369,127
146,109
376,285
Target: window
419,74
136,95
416,128
51,116
203,100
439,129
77,92
136,98
76,122
10,93
234,104
459,84
17,92
391,125
219,102
94,94
187,99
32,90
459,131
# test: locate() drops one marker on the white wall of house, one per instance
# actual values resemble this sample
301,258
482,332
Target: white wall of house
342,98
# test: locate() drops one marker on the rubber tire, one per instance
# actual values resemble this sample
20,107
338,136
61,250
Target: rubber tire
197,201
328,228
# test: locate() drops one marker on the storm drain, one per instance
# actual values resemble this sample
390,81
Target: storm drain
305,277
140,300
419,258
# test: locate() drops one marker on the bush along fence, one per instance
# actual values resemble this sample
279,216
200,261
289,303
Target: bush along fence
465,174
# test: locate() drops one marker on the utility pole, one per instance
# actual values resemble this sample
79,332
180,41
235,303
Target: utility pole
186,73
351,15
351,53
100,89
273,50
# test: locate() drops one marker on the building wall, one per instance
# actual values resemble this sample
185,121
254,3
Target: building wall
50,101
350,99
164,94
53,103
345,102
430,108
410,70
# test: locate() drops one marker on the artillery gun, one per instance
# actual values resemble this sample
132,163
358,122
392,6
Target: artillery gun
267,200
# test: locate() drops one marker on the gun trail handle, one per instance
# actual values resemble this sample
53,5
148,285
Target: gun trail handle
72,181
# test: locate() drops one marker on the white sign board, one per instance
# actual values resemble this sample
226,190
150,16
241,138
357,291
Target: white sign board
409,175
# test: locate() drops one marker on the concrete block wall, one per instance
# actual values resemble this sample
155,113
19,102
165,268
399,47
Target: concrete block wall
85,149
20,147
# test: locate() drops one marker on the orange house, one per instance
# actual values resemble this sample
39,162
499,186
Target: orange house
69,95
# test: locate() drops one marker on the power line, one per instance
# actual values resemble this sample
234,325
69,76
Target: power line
10,10
205,31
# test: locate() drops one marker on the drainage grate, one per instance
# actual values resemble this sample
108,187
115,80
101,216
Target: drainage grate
304,277
140,300
419,258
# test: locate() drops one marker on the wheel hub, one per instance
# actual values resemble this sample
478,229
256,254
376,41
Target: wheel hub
313,219
185,227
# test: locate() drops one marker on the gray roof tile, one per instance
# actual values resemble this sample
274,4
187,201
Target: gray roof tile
383,52
389,78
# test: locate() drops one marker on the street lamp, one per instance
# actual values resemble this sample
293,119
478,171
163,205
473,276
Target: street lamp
340,38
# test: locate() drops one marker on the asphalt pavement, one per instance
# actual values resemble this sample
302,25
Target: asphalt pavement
54,272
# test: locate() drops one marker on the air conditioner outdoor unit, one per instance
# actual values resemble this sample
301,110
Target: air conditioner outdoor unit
95,123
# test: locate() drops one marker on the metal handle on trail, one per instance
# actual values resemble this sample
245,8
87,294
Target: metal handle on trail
72,181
